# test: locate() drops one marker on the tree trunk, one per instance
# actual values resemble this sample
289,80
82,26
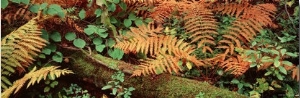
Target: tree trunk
97,69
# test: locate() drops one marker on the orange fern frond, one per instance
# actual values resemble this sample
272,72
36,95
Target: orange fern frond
16,13
167,50
200,23
260,13
235,65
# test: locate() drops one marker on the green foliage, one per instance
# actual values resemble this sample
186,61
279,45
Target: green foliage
57,57
4,3
70,36
55,36
79,43
55,9
91,29
75,91
116,87
200,95
116,53
82,14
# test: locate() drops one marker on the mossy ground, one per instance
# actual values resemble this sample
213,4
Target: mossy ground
161,86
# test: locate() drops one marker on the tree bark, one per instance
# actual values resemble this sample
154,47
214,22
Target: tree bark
97,69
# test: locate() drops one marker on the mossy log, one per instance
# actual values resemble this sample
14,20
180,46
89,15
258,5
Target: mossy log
97,69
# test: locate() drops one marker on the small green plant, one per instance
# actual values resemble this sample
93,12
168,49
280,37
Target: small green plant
74,91
200,95
115,85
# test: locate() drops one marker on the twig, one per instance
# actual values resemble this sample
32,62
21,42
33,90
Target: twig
286,10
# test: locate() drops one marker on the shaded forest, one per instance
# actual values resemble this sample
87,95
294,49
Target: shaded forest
149,48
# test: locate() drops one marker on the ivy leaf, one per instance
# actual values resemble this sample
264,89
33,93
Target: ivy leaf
235,81
46,89
53,84
34,8
116,53
55,9
287,63
57,57
291,54
106,87
114,91
111,42
52,47
282,51
127,23
42,55
70,36
123,6
90,29
111,7
15,1
43,6
46,51
82,14
80,43
55,37
115,1
113,20
100,48
25,1
102,33
279,76
45,35
268,73
4,3
97,41
282,70
132,16
277,62
98,12
138,22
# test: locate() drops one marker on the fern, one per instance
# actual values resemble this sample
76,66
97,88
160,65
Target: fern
18,49
150,41
35,76
16,13
200,23
235,65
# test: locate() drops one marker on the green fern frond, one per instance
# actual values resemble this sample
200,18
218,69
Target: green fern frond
19,47
34,76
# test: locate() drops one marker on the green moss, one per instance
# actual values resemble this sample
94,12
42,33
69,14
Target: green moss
161,86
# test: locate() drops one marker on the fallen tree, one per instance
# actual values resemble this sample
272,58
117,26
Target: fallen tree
97,69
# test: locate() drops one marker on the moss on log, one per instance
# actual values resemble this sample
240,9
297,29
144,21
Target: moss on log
98,69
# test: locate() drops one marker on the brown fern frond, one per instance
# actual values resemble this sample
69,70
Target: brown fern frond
16,13
235,65
35,76
19,47
167,50
200,23
74,25
164,63
295,73
260,13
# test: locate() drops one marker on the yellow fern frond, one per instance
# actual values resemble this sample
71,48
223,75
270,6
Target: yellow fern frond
167,50
19,47
34,76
